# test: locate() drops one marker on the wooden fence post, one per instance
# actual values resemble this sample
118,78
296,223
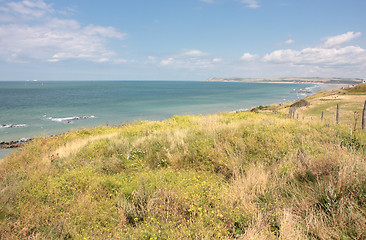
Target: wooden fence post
322,115
290,112
364,117
337,117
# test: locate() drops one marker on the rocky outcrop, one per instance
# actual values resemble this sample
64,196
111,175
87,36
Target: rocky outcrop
300,103
14,144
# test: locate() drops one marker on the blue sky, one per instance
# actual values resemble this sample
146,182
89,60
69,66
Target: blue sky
181,40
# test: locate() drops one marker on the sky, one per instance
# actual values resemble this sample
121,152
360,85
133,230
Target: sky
181,40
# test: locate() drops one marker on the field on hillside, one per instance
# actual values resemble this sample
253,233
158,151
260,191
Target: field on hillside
240,175
351,102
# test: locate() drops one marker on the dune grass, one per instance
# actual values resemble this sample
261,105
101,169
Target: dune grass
238,175
224,176
350,100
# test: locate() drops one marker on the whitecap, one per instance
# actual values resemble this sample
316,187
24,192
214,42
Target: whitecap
70,119
12,125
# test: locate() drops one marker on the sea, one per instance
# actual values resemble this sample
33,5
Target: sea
43,108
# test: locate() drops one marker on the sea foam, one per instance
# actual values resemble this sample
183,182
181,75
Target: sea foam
12,125
69,119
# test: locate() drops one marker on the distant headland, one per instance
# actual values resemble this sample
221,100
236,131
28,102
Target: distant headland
304,80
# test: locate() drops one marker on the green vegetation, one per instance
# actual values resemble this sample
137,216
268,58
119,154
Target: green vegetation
358,89
224,176
350,100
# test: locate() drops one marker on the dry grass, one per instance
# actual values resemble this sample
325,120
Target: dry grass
248,186
351,103
222,176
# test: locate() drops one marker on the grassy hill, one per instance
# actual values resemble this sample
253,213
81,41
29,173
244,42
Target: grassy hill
351,101
241,175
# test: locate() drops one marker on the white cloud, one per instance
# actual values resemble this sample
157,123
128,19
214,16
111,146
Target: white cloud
52,39
207,1
108,32
186,63
330,55
336,41
251,3
290,41
248,57
27,9
193,53
189,59
151,58
166,62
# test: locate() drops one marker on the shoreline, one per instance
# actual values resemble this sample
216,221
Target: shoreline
14,144
331,86
194,172
293,80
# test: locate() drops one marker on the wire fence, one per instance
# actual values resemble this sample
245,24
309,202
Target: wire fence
294,115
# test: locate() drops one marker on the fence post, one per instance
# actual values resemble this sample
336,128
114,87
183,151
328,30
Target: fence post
322,115
364,117
337,117
290,112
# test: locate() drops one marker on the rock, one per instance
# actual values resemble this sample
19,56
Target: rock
14,144
300,103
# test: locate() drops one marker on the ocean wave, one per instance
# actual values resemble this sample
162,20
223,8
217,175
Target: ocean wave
12,125
307,90
69,119
239,110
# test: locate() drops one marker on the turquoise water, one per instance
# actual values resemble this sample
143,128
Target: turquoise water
31,109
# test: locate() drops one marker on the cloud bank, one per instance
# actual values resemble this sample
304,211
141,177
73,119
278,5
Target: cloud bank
330,54
31,31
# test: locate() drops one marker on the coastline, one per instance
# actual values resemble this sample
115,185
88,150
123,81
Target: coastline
14,144
193,171
293,80
330,86
8,146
